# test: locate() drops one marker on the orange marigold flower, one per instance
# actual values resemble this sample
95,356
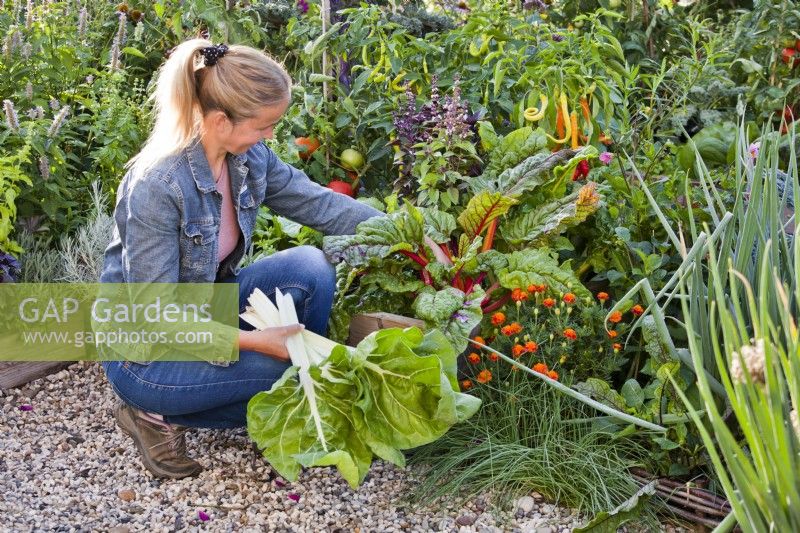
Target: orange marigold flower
518,295
637,309
493,357
541,368
511,329
602,296
569,298
553,375
474,358
466,384
570,334
617,346
548,302
615,317
484,376
532,288
498,318
517,350
531,347
480,340
612,334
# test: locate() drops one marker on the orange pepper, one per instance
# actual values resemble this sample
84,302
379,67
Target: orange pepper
573,121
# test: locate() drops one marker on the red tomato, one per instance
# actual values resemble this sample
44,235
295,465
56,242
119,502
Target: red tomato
788,56
342,187
307,146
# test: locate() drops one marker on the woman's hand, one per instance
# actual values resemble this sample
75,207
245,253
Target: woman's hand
269,341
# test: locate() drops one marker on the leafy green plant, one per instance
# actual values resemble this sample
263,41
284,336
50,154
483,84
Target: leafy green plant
452,256
340,406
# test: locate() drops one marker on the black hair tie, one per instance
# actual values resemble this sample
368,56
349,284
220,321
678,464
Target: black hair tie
211,54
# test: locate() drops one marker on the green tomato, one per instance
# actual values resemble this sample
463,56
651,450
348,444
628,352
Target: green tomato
578,23
613,211
351,159
614,4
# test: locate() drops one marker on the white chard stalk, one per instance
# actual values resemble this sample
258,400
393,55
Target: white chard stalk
306,349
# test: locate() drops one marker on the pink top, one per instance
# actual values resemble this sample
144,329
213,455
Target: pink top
229,227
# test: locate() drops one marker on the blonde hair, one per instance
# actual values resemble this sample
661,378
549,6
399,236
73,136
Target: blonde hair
240,84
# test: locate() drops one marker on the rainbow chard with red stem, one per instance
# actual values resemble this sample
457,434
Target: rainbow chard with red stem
455,257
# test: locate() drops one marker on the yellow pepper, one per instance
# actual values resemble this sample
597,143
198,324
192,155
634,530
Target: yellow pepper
533,114
568,126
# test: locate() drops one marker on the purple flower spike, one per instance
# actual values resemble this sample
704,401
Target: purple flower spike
202,515
26,407
294,497
302,5
606,157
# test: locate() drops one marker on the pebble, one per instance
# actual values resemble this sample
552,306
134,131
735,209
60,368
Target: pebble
70,441
466,519
126,495
525,504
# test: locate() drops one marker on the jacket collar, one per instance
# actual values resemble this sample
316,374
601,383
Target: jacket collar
201,170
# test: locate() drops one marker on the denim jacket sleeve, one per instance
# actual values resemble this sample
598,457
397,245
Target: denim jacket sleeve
151,216
292,194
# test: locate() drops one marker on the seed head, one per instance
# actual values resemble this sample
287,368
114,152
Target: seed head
44,167
11,116
58,121
82,21
122,29
751,357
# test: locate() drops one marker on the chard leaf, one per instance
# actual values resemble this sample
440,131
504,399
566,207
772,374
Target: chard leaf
514,148
602,392
530,173
483,208
452,311
387,281
553,218
281,424
405,399
538,266
438,224
377,238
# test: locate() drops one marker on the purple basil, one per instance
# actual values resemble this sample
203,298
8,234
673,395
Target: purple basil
9,268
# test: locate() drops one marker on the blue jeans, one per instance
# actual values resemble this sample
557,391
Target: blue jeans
199,394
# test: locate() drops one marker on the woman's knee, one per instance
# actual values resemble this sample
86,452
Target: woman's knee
313,263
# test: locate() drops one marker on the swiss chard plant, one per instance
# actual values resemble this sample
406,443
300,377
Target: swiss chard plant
437,263
340,406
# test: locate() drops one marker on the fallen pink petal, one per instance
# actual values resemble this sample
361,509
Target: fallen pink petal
280,483
202,515
294,497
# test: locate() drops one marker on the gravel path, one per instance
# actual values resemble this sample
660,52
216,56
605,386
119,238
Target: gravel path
65,466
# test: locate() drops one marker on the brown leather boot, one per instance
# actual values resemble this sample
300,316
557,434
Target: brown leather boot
162,446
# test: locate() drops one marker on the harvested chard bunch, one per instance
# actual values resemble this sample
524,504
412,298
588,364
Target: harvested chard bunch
339,406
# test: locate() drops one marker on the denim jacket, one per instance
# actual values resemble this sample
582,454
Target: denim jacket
167,220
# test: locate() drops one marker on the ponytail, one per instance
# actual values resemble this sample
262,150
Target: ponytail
240,84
